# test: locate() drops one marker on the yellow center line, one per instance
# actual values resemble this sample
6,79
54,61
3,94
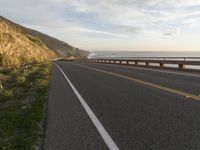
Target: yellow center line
188,95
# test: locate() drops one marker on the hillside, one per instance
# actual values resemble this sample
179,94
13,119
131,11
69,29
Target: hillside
22,45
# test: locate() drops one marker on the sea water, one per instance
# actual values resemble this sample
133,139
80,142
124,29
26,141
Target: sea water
125,54
150,54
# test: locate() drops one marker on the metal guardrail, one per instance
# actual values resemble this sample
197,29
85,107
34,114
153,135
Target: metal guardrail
152,58
148,61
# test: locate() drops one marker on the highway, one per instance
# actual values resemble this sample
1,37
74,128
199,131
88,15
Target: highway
104,106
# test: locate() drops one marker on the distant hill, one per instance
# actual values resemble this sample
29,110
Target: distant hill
19,45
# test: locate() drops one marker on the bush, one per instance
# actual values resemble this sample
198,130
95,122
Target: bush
42,83
1,86
8,93
21,79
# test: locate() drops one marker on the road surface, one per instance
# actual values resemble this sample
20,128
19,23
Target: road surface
102,106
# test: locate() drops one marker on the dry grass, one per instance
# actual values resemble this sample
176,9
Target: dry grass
23,95
18,48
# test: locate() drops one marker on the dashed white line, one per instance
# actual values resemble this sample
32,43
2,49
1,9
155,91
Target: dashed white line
102,131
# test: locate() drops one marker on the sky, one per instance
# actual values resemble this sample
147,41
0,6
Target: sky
112,25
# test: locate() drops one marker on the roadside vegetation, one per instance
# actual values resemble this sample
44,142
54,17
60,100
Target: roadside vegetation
23,95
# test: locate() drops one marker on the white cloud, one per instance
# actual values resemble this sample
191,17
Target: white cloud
172,32
121,19
96,32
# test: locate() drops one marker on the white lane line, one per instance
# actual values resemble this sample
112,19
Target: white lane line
104,134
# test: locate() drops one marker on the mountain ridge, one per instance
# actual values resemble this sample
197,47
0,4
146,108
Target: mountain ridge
21,44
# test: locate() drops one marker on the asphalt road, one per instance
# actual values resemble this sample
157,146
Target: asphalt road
135,115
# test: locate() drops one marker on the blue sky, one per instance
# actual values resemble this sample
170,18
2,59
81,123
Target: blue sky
137,25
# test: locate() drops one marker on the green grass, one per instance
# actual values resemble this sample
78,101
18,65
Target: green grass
22,101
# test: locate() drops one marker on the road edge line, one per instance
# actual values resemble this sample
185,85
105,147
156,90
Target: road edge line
102,131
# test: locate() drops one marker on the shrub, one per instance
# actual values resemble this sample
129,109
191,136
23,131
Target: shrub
8,93
21,79
1,86
42,83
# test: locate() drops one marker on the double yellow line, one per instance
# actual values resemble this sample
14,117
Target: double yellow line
178,92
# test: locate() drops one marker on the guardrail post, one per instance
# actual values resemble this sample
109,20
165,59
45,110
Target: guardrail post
181,66
136,62
147,63
162,65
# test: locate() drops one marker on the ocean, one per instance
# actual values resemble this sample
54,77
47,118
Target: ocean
129,54
125,54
